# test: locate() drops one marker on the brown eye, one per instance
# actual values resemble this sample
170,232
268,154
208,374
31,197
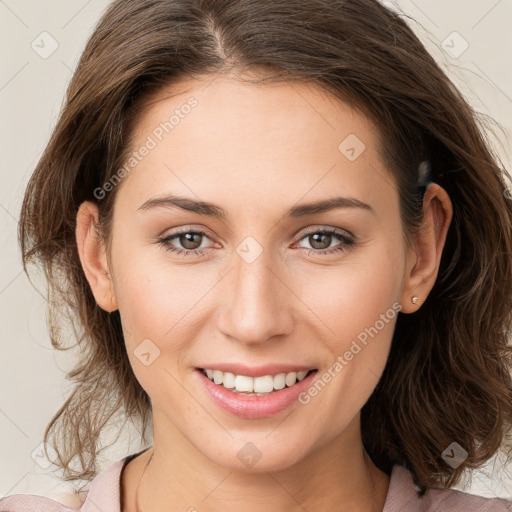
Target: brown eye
320,240
190,240
185,242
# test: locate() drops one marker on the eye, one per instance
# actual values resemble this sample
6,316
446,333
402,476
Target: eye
322,239
189,239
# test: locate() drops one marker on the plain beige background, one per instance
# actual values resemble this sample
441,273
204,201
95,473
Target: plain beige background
40,45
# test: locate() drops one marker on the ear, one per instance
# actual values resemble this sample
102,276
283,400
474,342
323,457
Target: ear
423,260
93,257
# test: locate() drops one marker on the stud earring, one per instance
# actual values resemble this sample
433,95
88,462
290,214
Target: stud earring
414,299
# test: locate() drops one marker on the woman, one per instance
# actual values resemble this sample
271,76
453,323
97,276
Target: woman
206,154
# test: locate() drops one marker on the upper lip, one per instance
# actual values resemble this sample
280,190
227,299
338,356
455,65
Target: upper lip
257,371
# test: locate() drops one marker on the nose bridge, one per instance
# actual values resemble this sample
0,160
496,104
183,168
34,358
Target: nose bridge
255,307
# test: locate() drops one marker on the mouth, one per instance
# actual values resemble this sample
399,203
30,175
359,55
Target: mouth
255,386
259,396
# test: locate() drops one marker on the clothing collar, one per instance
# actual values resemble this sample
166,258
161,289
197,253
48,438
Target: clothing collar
105,489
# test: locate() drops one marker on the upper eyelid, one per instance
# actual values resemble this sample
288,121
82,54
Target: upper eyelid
340,231
181,231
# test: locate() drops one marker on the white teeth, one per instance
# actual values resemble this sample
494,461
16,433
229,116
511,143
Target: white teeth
257,385
264,384
217,376
301,375
228,380
280,381
290,378
243,383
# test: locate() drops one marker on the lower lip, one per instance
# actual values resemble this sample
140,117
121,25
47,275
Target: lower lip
245,406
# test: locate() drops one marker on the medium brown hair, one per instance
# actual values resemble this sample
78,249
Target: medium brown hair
448,375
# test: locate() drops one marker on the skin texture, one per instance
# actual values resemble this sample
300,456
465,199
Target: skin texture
257,151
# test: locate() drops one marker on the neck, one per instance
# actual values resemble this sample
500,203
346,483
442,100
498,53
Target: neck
337,476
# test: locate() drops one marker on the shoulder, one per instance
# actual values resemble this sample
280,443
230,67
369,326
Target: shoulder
403,495
451,500
32,503
103,494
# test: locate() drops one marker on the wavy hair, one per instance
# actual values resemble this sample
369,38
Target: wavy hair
448,375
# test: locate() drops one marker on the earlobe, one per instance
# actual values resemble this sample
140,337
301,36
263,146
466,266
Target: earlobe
423,262
93,257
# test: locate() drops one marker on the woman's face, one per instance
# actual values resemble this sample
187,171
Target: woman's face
265,287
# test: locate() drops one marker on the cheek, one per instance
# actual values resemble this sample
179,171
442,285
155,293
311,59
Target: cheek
357,305
352,296
157,301
152,290
157,304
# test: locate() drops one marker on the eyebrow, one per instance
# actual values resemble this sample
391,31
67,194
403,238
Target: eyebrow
210,209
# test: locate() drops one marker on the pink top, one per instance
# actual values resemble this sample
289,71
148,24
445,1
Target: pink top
105,490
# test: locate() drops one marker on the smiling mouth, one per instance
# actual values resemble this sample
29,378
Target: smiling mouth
255,386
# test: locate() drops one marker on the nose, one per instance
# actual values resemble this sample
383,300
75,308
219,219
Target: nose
257,301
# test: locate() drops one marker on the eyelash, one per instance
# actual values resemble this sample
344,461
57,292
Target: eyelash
347,242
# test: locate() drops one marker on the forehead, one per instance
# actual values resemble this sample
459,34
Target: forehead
221,134
280,108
